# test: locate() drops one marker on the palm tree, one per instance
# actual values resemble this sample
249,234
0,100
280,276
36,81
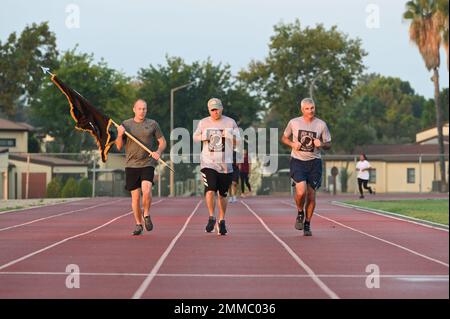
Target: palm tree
425,32
442,20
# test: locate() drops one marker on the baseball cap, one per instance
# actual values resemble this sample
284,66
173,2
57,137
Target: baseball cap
215,103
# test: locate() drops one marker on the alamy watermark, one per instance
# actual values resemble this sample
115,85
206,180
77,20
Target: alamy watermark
373,18
73,277
73,17
261,144
373,279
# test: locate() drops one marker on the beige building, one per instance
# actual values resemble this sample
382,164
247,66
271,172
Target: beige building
13,136
24,175
396,168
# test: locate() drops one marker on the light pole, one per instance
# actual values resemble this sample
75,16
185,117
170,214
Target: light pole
311,86
172,176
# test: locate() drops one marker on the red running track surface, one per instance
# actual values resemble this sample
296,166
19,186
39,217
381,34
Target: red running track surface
263,256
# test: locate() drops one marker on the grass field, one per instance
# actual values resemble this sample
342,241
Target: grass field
433,210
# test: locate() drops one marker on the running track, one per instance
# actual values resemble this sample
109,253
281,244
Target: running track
263,256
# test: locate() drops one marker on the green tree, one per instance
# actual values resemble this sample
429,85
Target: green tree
425,31
211,80
296,62
109,91
33,143
84,188
352,130
20,72
444,98
428,117
388,107
70,188
54,188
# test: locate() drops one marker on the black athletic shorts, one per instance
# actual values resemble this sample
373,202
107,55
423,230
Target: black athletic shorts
309,171
215,181
135,176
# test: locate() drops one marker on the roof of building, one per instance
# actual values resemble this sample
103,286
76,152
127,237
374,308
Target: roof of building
391,149
431,134
432,138
45,160
6,125
26,125
396,152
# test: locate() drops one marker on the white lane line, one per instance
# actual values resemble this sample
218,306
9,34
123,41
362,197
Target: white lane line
378,238
148,280
399,277
57,215
395,216
15,261
302,264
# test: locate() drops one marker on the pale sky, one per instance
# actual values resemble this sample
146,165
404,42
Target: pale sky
136,33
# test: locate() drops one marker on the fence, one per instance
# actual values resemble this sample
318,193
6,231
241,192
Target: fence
31,175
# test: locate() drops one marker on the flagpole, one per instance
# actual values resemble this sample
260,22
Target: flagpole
142,145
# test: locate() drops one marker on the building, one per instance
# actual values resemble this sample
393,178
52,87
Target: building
396,168
14,136
24,175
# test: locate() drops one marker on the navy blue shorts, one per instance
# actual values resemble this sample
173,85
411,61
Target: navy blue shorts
309,171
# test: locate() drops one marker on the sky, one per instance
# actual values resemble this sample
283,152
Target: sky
133,34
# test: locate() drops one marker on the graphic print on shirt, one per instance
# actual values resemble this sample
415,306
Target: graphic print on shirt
306,139
216,141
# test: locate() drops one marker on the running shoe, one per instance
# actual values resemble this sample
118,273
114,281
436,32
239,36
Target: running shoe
299,221
138,230
307,230
211,224
222,228
148,223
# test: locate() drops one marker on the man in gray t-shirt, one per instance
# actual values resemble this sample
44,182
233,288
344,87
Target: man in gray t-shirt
139,165
219,135
309,135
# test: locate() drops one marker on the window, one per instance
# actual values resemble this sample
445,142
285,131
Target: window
372,175
411,175
8,142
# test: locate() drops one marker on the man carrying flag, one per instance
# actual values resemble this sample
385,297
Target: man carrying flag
140,167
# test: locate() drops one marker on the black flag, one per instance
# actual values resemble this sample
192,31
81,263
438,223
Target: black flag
88,118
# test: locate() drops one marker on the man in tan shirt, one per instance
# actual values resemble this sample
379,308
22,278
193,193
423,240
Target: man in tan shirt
140,166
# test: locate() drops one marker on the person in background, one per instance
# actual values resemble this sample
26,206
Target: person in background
244,172
363,167
235,179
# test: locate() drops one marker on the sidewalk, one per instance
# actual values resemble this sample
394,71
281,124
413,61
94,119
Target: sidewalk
12,204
